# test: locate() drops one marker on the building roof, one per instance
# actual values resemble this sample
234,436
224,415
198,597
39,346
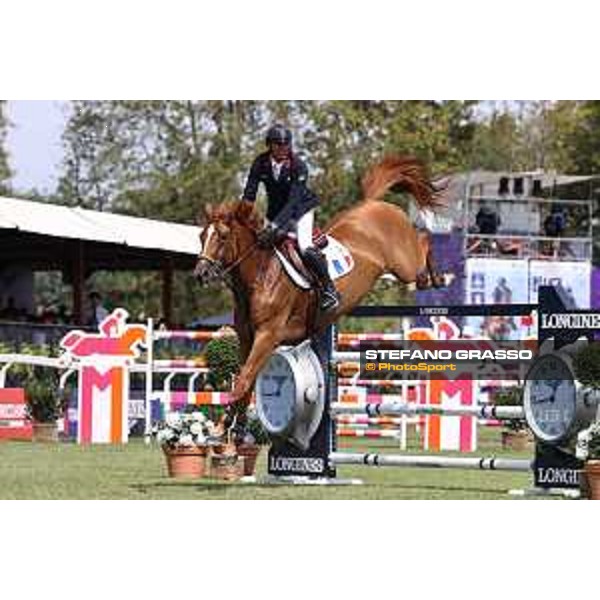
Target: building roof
40,218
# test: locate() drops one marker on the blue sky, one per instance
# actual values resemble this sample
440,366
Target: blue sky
34,142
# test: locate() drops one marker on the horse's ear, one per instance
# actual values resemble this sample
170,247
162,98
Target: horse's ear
243,210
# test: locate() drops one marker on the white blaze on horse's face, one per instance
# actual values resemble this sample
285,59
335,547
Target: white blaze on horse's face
211,261
210,234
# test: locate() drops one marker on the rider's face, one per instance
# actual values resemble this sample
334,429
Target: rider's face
279,151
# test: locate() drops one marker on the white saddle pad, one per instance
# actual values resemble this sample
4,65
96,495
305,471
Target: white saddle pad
339,263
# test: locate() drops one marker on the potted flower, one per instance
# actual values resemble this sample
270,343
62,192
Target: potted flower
185,439
515,433
255,437
588,450
45,403
586,364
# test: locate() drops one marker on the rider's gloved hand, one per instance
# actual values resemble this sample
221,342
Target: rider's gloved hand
268,235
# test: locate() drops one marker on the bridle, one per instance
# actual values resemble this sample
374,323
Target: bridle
218,271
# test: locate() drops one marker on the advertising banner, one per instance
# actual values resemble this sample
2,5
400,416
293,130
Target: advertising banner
574,277
595,288
497,281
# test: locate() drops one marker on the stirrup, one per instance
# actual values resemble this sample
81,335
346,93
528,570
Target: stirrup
330,300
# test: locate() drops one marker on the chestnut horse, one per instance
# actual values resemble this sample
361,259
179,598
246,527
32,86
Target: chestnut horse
270,310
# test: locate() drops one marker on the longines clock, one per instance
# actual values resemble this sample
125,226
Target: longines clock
290,394
555,407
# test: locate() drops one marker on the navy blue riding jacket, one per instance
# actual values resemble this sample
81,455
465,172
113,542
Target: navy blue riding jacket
288,196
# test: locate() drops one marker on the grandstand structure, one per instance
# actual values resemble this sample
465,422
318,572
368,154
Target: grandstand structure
505,234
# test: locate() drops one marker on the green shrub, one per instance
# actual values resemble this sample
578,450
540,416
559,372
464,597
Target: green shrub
511,396
223,360
586,364
45,401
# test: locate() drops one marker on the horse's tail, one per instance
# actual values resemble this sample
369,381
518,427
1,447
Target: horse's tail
402,173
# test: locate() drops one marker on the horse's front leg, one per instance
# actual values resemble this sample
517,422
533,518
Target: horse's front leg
265,341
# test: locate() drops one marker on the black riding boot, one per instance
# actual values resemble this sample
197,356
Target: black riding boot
317,265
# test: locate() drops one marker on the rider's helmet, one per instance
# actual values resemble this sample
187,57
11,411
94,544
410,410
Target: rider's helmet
278,134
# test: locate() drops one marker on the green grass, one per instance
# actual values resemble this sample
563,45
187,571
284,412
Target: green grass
136,471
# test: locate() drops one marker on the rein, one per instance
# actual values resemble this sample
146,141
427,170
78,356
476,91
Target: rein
222,272
241,259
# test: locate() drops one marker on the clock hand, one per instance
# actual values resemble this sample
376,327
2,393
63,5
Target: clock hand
542,394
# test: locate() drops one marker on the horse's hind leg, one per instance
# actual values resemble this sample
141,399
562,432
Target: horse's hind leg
428,275
422,276
408,263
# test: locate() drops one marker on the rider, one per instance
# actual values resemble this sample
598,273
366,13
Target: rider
291,205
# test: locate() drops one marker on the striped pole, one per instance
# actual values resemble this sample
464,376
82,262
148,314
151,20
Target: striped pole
389,409
354,340
346,357
180,397
362,420
181,363
199,336
390,383
353,397
432,462
149,380
368,433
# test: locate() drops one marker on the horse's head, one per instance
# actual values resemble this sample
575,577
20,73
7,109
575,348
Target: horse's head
228,234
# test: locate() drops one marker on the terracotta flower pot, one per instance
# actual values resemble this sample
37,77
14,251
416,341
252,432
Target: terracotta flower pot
186,462
249,452
45,432
591,474
226,466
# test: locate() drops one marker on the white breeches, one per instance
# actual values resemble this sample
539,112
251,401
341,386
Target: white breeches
304,230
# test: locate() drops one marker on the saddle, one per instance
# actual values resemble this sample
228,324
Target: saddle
339,259
288,247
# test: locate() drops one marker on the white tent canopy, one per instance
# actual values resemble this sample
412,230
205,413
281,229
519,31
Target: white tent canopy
89,225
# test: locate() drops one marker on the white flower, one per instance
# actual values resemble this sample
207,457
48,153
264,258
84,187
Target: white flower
198,417
173,419
186,440
196,428
164,435
583,441
200,439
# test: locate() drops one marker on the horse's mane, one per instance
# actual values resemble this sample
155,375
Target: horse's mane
234,211
402,173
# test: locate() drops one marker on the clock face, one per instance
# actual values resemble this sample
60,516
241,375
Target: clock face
276,394
550,398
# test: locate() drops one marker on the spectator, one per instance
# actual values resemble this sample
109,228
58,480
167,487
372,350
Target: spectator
556,222
98,313
554,226
10,312
487,220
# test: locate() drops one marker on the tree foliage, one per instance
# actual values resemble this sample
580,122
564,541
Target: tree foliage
4,168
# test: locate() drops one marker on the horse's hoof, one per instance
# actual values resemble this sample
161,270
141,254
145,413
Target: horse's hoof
423,282
438,281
